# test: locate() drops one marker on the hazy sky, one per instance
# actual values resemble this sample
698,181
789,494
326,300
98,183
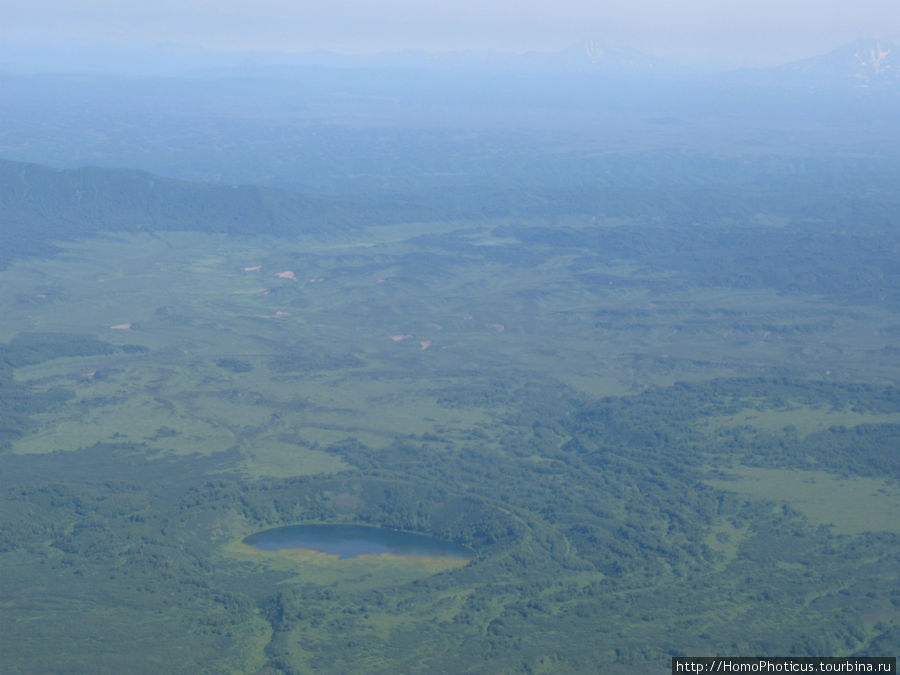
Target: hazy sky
754,31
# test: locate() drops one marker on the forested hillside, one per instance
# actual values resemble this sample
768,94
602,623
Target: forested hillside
40,206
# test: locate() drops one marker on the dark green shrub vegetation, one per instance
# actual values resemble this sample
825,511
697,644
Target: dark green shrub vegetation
235,365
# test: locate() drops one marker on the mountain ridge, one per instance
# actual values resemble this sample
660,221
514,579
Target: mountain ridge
863,59
40,205
864,62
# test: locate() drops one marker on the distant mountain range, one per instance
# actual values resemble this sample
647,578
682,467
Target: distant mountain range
861,63
864,62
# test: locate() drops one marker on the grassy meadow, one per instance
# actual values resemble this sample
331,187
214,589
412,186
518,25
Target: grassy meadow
647,460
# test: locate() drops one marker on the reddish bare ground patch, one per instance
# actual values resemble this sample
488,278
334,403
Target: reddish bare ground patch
287,274
425,344
255,268
499,327
121,326
282,313
398,338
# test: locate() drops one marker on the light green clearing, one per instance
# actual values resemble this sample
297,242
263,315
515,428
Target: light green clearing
362,572
725,539
849,505
805,419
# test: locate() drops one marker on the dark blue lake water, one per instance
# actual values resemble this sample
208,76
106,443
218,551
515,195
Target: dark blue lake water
349,541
